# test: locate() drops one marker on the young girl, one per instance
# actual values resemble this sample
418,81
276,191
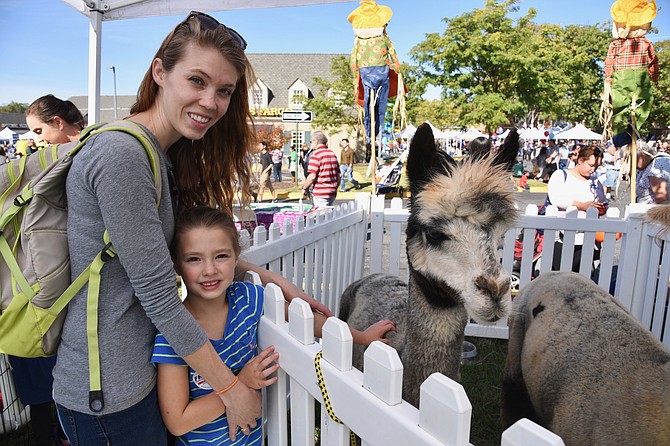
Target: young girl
205,252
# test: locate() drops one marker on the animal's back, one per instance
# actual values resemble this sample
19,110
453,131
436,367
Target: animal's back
592,373
371,299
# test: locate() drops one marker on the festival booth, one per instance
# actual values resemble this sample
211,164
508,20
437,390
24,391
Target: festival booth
7,135
579,132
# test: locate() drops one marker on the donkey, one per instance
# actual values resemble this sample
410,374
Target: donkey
459,213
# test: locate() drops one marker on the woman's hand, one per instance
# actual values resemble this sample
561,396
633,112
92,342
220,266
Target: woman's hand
243,408
255,373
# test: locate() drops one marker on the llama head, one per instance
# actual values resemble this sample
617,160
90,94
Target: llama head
459,213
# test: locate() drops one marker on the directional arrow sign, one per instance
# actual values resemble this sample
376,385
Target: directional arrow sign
297,116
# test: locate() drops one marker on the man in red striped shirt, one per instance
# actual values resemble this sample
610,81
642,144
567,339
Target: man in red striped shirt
323,172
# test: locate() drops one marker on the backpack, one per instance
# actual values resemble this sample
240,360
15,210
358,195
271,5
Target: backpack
35,282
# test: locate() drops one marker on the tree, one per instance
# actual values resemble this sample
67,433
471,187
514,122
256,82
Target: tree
333,102
476,62
13,107
273,135
659,117
497,71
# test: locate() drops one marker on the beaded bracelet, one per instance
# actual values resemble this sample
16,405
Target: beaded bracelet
221,392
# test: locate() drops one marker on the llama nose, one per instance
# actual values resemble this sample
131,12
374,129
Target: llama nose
496,289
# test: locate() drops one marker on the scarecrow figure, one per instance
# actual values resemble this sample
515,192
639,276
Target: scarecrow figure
630,67
375,63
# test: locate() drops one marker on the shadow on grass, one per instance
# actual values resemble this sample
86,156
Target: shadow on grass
481,378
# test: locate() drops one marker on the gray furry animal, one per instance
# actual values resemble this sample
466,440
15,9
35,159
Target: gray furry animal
582,366
459,213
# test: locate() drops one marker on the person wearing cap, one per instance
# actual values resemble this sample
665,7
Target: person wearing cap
653,175
631,66
374,61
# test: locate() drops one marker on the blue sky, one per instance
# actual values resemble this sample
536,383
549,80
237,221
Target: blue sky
45,42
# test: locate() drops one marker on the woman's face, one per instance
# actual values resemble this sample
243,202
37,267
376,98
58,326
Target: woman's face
196,93
49,132
585,167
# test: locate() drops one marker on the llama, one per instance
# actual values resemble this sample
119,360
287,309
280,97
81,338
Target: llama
582,366
459,213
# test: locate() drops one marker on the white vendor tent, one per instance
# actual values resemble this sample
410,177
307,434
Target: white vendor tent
7,134
437,133
579,132
98,11
408,132
470,134
30,135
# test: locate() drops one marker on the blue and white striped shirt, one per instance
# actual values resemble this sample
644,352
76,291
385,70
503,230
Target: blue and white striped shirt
238,346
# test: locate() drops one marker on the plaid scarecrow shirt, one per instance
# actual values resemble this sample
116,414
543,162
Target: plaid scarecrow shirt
631,53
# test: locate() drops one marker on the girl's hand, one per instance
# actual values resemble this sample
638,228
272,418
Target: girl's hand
255,373
377,332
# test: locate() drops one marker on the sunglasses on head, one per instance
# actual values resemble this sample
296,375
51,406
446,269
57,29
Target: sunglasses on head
209,22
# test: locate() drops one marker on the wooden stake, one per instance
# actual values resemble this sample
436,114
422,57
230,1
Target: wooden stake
633,157
373,145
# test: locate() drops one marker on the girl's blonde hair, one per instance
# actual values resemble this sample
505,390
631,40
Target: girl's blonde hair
212,170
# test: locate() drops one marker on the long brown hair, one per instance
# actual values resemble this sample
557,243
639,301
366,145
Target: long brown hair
210,171
47,107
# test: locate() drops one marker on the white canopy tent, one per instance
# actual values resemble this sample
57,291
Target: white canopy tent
7,134
470,134
437,133
30,135
579,132
104,10
408,132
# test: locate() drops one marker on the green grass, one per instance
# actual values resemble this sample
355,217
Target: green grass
481,378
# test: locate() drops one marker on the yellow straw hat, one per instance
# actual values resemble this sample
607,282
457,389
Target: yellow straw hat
370,15
633,12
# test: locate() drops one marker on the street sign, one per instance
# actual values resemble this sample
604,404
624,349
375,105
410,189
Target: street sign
296,116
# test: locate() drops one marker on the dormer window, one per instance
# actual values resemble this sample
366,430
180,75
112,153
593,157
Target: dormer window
297,94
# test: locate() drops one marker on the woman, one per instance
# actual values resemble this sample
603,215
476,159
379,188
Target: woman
193,104
56,121
579,188
653,174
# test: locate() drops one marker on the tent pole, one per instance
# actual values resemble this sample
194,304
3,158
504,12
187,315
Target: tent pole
94,47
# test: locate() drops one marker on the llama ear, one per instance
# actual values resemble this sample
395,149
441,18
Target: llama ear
509,151
425,159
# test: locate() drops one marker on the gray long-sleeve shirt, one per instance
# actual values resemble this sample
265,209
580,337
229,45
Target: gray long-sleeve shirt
110,185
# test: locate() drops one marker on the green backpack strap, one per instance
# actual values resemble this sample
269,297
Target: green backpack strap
96,400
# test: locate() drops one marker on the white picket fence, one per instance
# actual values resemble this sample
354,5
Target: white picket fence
368,403
327,252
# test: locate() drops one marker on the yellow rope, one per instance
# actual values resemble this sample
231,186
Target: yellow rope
326,399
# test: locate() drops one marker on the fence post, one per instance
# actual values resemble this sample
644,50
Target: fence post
275,410
445,410
337,350
382,372
526,433
376,234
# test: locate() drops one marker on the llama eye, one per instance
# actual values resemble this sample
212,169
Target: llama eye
436,237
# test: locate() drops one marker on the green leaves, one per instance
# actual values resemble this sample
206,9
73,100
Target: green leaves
496,70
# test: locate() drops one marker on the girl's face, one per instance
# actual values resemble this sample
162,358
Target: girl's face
196,93
585,167
50,132
206,261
